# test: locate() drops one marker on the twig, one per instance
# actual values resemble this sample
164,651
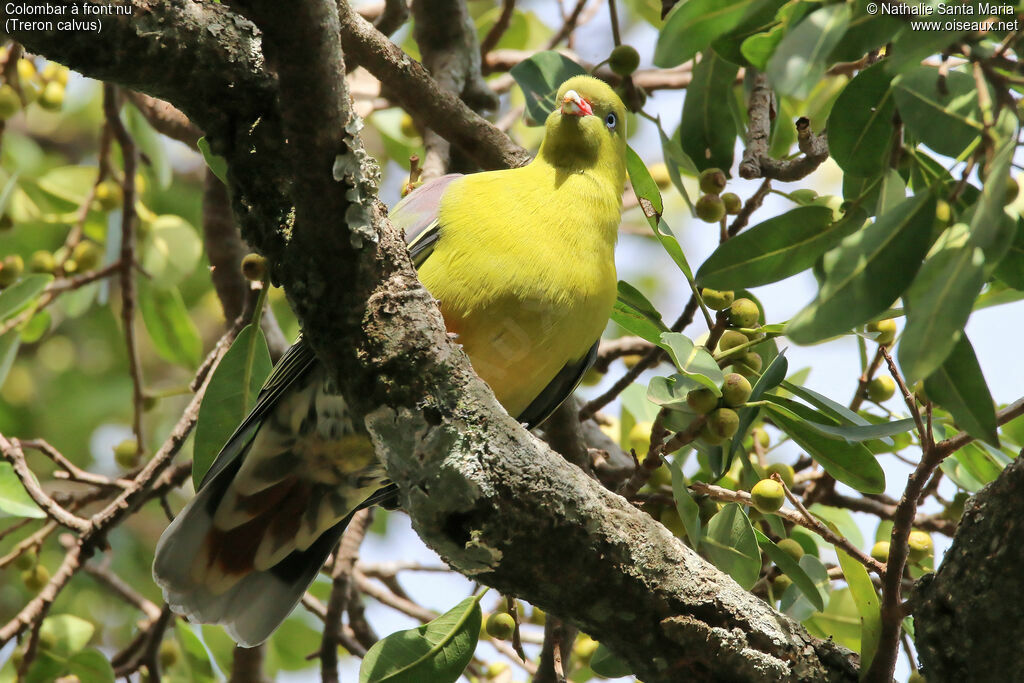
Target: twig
13,454
808,521
69,469
129,294
611,349
568,26
117,585
341,575
494,35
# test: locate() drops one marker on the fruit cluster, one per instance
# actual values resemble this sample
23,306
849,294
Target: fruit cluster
45,88
713,205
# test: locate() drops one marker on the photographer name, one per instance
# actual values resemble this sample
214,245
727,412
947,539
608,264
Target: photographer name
924,10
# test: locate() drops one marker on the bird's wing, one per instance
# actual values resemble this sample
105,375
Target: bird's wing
417,215
558,389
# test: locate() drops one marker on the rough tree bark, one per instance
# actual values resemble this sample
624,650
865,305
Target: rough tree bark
492,499
967,622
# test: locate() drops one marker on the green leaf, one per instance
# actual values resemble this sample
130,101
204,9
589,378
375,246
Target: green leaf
773,250
676,161
839,520
867,272
637,315
17,296
730,544
606,663
770,378
863,592
68,633
70,183
942,113
865,33
790,568
691,26
171,251
1011,267
959,387
436,652
174,335
849,463
91,665
839,622
35,327
216,163
230,396
707,131
644,187
839,422
860,125
686,506
9,345
539,77
14,500
800,59
634,401
939,303
694,361
758,48
794,602
991,228
197,660
151,144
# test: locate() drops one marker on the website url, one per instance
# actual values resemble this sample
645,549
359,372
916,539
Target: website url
979,26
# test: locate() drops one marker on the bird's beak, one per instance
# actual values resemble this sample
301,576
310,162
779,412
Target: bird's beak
574,105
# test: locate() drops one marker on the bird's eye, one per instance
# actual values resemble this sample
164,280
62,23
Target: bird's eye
610,121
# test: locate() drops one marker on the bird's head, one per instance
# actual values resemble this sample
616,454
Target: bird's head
587,127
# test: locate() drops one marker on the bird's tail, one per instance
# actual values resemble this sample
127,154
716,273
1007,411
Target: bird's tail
246,547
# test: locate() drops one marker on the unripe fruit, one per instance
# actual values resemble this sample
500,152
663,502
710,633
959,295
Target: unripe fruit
26,560
1012,189
495,669
703,401
723,422
36,578
624,60
761,437
591,378
710,208
943,212
109,195
880,551
659,173
670,519
254,267
920,546
55,72
751,363
708,435
87,255
585,647
408,126
11,269
735,390
712,180
640,437
792,548
732,202
730,339
716,300
53,96
781,583
10,102
744,313
42,262
500,625
881,389
803,196
784,471
631,360
26,70
767,495
707,509
885,331
126,453
170,653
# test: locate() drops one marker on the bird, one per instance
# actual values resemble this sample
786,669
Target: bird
521,262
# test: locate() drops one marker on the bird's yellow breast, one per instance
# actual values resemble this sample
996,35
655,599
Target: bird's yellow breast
539,291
